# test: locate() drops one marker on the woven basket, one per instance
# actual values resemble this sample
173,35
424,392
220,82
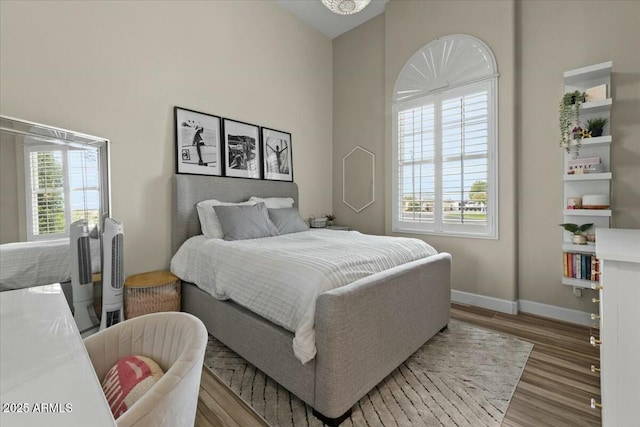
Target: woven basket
150,293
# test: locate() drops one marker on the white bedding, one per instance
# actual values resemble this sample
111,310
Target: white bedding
281,277
26,264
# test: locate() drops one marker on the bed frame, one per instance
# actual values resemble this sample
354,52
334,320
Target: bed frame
363,330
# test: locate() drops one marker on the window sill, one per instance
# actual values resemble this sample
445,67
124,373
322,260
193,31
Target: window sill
400,230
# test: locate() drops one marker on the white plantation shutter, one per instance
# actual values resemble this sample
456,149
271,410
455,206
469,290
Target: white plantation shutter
416,154
62,186
84,185
444,147
46,193
444,152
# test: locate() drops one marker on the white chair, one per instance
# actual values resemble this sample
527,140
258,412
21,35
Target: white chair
177,342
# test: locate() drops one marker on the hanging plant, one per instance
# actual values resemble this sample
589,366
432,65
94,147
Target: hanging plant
568,119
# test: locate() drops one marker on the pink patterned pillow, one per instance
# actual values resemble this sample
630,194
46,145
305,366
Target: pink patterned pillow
129,379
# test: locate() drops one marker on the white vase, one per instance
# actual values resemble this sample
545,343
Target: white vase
579,239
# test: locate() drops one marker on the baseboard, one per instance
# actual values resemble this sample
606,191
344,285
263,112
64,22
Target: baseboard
512,307
558,313
496,304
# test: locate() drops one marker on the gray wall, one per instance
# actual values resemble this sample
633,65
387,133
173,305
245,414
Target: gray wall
9,224
358,116
550,44
116,69
534,43
480,266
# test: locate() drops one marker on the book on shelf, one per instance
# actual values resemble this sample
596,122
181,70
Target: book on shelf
587,267
580,266
571,259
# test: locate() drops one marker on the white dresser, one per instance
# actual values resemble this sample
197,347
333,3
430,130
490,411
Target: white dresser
46,376
619,253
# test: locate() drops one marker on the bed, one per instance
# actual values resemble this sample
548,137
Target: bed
41,262
363,330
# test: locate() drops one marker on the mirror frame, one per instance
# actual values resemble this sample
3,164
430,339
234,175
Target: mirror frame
73,139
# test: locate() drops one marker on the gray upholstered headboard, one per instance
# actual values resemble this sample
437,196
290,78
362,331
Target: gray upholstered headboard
190,189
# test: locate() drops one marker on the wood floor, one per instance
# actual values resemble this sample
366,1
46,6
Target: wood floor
555,389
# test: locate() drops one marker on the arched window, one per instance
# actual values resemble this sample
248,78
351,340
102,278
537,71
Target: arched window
445,140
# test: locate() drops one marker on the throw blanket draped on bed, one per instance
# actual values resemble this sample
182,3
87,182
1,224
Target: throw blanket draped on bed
280,278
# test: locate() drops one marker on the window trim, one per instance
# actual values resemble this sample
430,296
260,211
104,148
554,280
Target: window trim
66,189
490,231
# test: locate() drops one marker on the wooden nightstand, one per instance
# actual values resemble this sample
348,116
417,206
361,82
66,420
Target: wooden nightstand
338,227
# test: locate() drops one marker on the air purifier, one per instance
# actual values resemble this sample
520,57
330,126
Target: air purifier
81,278
112,273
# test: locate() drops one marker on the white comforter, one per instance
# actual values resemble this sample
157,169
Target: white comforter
26,264
281,277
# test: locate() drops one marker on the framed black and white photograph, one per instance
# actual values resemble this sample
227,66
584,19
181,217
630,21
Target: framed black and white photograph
276,152
241,149
198,143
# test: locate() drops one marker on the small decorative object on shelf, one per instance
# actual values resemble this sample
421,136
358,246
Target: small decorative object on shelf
584,165
578,232
595,201
596,93
578,132
574,203
596,126
568,119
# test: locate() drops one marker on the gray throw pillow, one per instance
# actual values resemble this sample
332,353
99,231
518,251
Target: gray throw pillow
245,222
287,220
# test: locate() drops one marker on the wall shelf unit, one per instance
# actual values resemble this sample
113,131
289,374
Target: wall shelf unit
597,141
581,267
578,283
587,212
585,249
600,106
588,177
580,184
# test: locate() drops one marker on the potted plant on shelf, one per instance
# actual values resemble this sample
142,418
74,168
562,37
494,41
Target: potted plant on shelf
596,126
578,232
568,119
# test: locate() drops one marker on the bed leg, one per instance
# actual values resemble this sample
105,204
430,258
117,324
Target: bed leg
444,328
332,422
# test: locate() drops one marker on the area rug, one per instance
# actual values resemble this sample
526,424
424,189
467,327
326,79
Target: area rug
464,376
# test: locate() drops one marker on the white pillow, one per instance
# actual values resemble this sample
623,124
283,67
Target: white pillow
274,202
209,223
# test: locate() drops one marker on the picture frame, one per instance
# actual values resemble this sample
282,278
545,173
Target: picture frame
277,155
198,143
242,156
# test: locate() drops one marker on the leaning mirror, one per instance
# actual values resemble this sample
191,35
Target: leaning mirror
358,177
49,178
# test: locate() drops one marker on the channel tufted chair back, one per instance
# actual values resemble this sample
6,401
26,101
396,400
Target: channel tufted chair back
177,342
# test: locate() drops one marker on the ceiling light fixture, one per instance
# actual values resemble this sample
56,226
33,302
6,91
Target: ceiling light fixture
345,7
